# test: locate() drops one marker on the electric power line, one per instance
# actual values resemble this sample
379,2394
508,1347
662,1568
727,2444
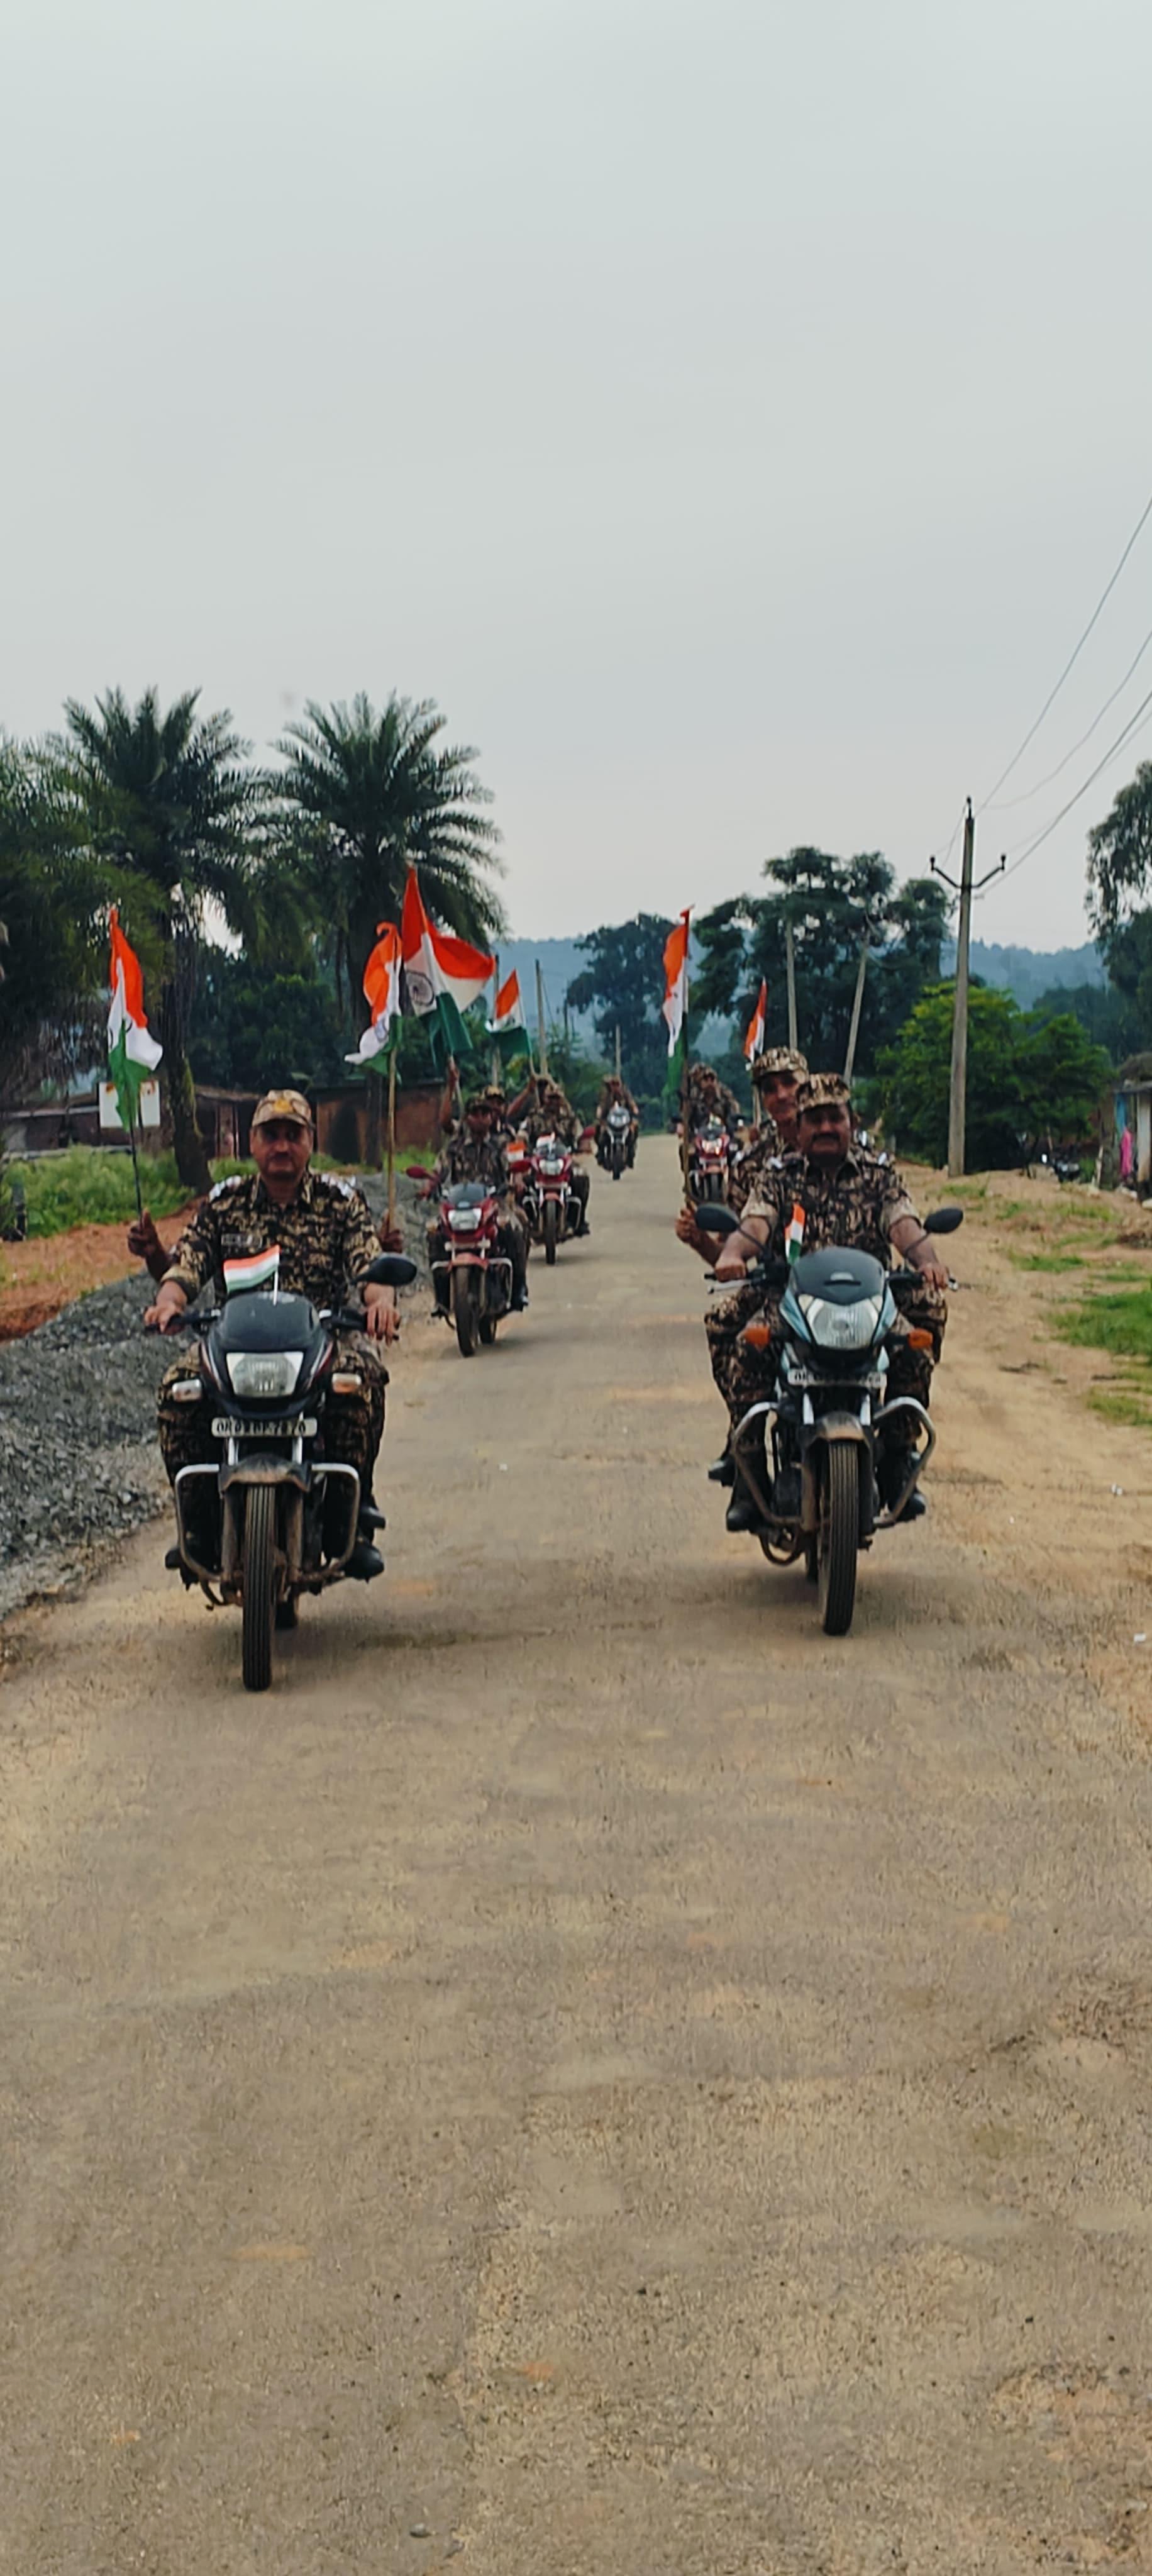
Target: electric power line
1010,802
1135,724
1054,693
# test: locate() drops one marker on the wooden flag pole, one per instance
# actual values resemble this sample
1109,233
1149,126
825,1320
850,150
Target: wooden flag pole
392,1138
135,1157
684,1092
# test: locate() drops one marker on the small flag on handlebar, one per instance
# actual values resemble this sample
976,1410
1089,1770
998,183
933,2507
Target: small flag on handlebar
252,1272
794,1233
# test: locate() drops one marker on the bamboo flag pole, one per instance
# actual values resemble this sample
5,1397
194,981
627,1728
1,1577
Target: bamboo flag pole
392,1137
135,1157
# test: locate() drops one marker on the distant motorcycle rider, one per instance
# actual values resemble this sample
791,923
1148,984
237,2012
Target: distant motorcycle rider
552,1114
708,1097
614,1094
476,1153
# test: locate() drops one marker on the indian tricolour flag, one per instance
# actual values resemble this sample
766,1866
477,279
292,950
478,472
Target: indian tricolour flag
754,1033
506,1027
674,1006
382,994
133,1053
253,1272
794,1233
442,975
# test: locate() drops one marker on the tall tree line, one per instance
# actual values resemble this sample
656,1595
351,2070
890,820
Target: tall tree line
165,812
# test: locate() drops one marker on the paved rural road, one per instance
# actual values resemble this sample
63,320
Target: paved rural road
588,2077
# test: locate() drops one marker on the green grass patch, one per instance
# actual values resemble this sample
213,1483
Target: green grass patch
1124,1405
93,1185
1046,1260
1120,1322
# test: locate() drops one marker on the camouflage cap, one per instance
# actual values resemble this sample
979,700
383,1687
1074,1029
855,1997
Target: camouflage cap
281,1104
779,1060
474,1100
494,1094
823,1091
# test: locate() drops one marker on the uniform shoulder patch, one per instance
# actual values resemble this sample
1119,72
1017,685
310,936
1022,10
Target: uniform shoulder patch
220,1189
335,1181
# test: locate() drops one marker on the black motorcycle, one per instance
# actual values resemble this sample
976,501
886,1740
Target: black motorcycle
270,1517
814,1454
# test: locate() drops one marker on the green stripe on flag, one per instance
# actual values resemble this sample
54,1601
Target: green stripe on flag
126,1078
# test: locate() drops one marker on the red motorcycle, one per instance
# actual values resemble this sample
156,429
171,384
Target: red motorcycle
551,1210
710,1162
472,1278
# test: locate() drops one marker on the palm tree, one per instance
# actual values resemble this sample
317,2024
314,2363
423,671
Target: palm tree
170,803
369,792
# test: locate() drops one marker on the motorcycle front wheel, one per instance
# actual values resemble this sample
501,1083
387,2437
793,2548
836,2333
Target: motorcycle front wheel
550,1214
258,1608
464,1314
838,1535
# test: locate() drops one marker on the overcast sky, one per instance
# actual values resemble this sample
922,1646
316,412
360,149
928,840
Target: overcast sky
729,413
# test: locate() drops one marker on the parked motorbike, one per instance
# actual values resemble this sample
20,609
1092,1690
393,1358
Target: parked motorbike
551,1210
473,1280
271,1517
710,1162
613,1140
812,1454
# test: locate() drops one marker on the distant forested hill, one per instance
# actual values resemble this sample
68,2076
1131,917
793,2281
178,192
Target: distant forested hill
1026,973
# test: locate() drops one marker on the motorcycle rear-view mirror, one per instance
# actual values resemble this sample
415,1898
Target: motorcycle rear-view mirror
391,1270
944,1220
716,1219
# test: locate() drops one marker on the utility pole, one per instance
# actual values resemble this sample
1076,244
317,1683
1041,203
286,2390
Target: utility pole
617,1050
541,1031
494,1051
790,959
958,1089
857,1001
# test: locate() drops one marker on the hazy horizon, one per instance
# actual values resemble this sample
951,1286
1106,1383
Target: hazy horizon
731,420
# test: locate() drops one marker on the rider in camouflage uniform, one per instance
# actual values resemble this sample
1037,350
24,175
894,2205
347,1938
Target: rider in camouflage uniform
554,1115
327,1241
476,1153
708,1097
614,1093
849,1197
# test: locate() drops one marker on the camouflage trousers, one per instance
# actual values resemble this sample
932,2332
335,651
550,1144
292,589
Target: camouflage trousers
745,1376
353,1424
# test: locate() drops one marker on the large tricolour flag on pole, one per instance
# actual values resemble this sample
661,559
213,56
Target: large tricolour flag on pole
133,1053
754,1033
382,994
442,974
675,1003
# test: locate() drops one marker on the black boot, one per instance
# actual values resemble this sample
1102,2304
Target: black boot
723,1469
364,1562
891,1477
743,1511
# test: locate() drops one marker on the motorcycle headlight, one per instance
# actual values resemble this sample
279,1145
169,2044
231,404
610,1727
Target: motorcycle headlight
264,1373
841,1328
464,1220
551,1167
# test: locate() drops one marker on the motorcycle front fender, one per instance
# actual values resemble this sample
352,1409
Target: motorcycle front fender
830,1427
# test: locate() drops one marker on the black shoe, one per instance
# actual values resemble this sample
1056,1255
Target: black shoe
369,1519
519,1301
364,1562
915,1507
742,1512
723,1469
173,1560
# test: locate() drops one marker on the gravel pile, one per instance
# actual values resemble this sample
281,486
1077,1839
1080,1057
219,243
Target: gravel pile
79,1465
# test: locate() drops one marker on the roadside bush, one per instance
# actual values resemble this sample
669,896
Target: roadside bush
93,1185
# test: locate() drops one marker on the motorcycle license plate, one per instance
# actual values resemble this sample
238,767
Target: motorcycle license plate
302,1427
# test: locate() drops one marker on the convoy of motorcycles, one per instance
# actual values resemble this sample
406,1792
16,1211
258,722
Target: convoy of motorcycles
269,1517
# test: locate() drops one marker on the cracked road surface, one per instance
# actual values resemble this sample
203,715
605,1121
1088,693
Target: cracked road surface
589,2077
